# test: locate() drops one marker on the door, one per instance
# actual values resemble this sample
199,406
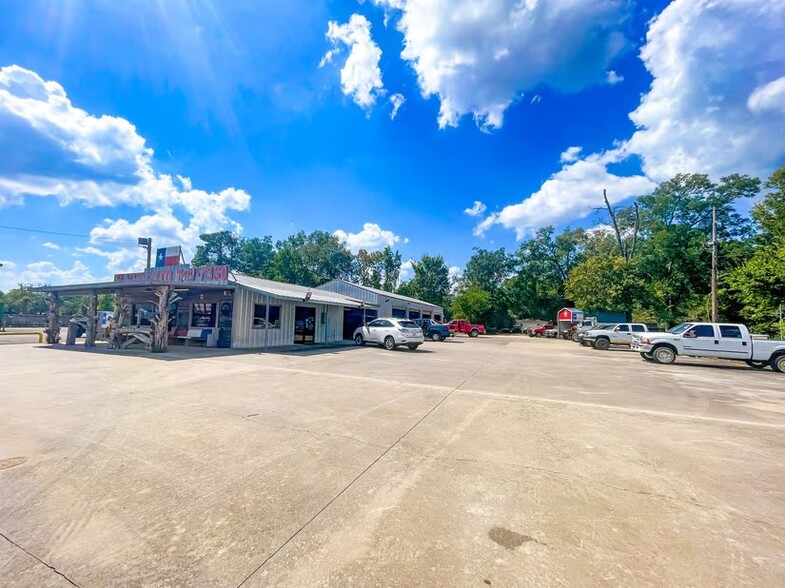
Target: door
375,331
225,324
701,341
732,344
304,324
622,335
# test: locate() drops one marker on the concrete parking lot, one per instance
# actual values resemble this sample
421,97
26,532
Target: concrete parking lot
499,461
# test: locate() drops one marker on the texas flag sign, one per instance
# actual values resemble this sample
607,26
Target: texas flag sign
166,256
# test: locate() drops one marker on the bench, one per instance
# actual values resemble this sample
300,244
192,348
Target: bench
207,335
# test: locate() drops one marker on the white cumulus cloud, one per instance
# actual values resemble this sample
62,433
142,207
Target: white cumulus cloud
361,77
50,245
397,101
476,209
64,152
613,78
570,154
39,273
371,238
479,57
714,106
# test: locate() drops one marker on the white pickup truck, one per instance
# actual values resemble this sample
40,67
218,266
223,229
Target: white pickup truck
727,341
620,334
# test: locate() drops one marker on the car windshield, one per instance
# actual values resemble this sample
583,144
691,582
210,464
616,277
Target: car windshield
408,324
680,328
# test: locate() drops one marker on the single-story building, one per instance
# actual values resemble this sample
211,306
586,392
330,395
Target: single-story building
214,306
379,303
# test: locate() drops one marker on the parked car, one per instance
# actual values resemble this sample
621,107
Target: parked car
390,333
723,340
433,330
579,335
619,334
540,331
461,326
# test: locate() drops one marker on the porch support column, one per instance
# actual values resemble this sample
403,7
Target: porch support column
159,334
53,330
92,320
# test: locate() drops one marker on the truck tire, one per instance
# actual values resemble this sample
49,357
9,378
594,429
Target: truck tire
435,336
389,343
602,344
474,333
778,363
664,355
647,356
758,365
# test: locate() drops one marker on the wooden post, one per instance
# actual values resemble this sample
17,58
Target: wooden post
53,330
92,320
159,336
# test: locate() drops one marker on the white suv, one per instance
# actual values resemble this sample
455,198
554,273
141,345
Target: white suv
390,332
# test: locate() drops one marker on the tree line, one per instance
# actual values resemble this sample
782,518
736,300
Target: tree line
650,260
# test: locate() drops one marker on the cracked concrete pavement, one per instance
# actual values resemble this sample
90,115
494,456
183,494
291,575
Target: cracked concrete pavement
499,461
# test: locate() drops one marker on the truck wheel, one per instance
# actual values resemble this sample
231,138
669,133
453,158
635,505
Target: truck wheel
435,336
474,333
647,356
778,363
358,340
602,344
758,365
389,343
664,355
584,343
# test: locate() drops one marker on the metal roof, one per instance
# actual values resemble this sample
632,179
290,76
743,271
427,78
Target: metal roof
293,291
385,293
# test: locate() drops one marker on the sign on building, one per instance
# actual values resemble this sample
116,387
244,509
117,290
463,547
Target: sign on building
179,274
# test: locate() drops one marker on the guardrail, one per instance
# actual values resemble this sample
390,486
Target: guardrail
39,333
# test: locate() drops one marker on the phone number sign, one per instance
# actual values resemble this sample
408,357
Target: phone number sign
178,274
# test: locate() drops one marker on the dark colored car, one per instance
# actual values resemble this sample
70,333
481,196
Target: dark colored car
433,330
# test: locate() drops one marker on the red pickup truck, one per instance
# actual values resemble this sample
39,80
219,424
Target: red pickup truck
461,326
540,331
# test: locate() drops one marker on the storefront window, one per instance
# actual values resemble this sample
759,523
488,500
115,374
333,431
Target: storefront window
203,314
260,312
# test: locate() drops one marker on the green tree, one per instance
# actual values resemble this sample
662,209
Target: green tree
391,268
22,301
218,249
473,304
431,281
487,269
369,268
311,259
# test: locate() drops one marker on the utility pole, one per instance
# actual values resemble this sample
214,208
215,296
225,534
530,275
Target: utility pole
146,243
715,315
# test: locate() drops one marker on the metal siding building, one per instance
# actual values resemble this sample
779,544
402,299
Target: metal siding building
387,303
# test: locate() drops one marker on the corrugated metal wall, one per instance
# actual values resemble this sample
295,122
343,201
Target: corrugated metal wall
385,303
328,328
351,290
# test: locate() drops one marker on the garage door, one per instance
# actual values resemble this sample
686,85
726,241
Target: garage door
353,318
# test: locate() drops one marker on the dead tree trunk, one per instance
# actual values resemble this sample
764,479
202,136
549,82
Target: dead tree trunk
159,335
91,329
53,329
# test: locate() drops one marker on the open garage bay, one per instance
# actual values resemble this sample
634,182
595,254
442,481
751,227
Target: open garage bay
496,461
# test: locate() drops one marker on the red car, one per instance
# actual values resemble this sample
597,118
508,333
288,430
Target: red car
540,331
461,326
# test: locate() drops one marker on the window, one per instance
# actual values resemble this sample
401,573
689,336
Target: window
730,332
203,314
638,329
399,313
622,329
379,323
408,324
700,331
680,328
260,312
437,318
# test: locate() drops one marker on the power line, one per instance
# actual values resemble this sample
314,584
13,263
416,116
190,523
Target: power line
28,230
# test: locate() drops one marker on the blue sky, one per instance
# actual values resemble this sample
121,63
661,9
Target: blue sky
270,137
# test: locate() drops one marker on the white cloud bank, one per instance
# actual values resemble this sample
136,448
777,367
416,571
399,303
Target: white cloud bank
361,77
66,153
715,106
479,57
371,238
